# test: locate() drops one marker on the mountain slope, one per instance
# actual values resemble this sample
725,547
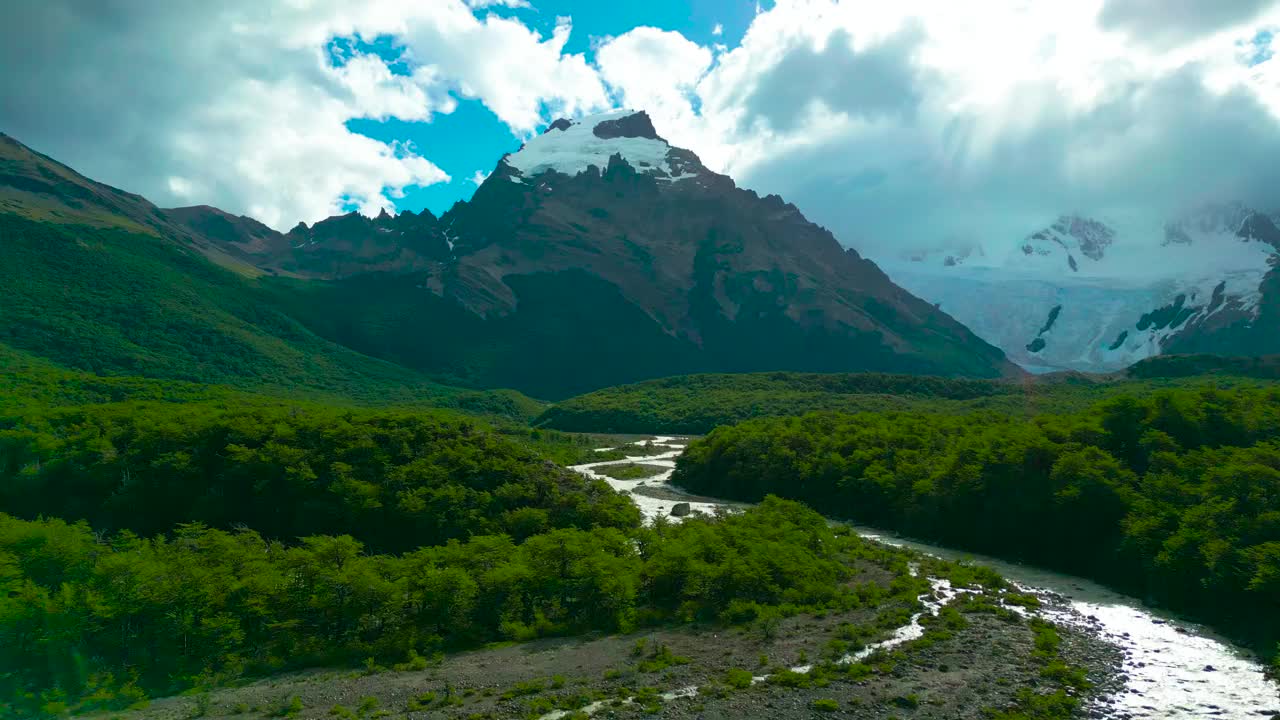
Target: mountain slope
99,280
599,254
596,255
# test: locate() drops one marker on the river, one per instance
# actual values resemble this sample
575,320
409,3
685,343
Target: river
1173,669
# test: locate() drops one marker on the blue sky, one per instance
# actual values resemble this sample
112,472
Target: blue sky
1262,43
471,139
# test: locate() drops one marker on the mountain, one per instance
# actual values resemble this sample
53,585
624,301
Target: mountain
1094,295
599,254
96,279
595,255
336,247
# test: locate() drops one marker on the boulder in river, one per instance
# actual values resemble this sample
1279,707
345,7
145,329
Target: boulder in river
680,509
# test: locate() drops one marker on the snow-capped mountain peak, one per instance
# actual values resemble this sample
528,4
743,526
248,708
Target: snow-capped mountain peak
1068,242
571,146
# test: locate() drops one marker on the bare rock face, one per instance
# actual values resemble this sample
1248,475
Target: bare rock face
561,124
634,126
680,509
1260,228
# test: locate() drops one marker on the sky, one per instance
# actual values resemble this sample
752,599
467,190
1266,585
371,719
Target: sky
899,126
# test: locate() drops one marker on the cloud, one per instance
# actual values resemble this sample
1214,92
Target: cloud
478,177
653,69
980,123
1168,22
718,30
518,74
896,125
477,4
659,71
881,81
238,104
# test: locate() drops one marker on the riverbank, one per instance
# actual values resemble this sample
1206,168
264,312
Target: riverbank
981,666
1170,668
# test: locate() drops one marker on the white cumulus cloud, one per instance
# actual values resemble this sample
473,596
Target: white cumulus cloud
914,124
238,104
897,125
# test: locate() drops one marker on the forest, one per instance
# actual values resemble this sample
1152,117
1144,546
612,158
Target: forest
696,404
94,621
1172,496
395,479
136,308
158,536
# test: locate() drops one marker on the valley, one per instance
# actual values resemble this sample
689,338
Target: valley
420,466
694,359
1140,663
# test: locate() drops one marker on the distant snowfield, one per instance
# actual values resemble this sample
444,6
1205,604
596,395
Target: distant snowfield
1006,297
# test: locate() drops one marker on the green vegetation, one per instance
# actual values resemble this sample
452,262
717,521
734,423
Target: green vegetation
697,404
660,659
395,480
826,705
92,621
1180,366
569,332
738,679
115,303
630,471
1173,496
694,404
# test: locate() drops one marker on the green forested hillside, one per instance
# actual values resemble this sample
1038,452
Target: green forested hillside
569,333
695,404
1173,496
117,303
1181,366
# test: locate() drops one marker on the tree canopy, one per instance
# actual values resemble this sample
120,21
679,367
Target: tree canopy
1173,496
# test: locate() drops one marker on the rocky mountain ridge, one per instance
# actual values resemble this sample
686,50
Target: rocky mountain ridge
596,254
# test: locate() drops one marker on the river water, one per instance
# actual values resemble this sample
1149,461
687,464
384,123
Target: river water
1173,669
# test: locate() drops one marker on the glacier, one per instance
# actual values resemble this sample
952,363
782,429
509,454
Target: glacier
1123,289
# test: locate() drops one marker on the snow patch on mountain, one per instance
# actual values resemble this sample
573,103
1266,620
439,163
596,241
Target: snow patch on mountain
570,147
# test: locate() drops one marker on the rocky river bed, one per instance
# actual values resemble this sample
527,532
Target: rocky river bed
1170,669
